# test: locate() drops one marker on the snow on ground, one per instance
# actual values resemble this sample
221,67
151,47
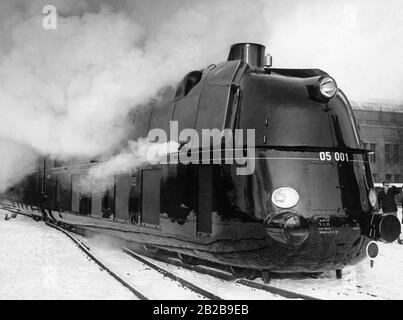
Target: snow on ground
224,289
150,282
38,262
227,290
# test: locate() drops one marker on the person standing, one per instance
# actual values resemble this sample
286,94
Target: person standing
386,198
387,202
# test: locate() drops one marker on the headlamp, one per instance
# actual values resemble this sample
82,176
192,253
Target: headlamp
288,228
328,87
285,197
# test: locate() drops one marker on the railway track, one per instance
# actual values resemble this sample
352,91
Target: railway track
13,210
141,296
150,261
224,276
87,251
172,276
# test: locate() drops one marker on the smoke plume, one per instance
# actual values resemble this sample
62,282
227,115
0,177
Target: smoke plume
137,153
67,92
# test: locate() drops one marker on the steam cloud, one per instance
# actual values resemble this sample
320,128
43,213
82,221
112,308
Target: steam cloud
67,93
137,153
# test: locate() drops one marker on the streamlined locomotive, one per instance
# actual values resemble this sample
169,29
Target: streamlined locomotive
308,206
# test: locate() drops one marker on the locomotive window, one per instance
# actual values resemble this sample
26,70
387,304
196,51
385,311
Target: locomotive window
187,84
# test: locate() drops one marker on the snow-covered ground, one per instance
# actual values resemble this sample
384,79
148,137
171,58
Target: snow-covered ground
120,261
38,262
151,283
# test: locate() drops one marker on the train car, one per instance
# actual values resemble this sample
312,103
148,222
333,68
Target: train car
308,206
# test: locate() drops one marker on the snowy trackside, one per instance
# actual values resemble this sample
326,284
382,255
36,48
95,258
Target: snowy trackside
38,262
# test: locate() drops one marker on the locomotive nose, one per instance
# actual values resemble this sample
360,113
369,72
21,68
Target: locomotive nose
292,228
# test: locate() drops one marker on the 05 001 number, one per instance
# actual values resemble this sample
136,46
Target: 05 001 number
329,156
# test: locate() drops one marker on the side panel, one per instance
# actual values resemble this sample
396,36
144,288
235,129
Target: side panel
161,113
140,123
51,189
64,186
31,194
205,200
185,113
109,203
215,97
96,202
323,181
122,197
75,195
135,197
38,188
151,197
85,203
212,107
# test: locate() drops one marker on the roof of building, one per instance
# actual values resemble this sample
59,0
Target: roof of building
377,106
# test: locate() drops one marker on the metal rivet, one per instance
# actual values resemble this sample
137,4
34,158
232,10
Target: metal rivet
264,139
266,122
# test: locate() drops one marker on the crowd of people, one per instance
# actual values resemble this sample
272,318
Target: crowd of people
387,201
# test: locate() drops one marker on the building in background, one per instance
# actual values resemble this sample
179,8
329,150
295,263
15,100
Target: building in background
381,130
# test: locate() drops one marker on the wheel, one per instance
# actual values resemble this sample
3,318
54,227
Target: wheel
315,275
186,259
133,220
339,273
150,249
266,276
253,274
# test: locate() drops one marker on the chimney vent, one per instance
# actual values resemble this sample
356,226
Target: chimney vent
251,53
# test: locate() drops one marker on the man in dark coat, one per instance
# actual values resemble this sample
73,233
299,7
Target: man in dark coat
386,198
386,201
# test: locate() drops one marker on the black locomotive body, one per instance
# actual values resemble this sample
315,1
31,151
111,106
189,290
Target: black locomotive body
306,207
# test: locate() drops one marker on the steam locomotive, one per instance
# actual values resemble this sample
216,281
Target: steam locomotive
308,206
